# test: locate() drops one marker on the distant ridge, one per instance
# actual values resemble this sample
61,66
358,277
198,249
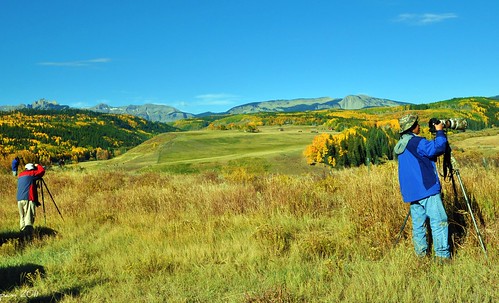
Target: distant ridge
40,104
151,112
294,105
164,113
297,105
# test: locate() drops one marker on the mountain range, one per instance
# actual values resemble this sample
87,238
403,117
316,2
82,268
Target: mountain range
310,104
164,113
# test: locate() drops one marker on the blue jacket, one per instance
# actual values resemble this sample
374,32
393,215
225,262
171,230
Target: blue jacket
418,176
15,164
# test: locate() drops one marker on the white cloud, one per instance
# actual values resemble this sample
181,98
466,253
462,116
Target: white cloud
424,19
81,63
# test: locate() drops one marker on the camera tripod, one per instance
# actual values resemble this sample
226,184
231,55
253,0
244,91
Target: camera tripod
449,163
42,184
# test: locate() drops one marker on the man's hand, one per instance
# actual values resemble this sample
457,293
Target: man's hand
439,126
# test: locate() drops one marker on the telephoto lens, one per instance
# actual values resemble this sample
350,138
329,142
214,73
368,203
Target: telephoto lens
451,123
456,123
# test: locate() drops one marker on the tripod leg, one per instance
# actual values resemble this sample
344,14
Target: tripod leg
471,213
46,187
43,205
402,228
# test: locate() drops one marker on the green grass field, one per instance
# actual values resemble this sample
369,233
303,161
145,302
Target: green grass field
274,149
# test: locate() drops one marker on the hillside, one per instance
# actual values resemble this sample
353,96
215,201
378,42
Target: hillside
313,104
484,111
478,111
273,149
82,135
163,113
70,134
151,112
242,155
295,105
169,114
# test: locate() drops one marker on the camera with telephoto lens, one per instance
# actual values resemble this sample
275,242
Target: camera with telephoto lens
452,123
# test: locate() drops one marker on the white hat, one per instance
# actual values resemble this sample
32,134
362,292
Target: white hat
29,166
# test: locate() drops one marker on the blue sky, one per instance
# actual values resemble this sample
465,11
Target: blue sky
212,55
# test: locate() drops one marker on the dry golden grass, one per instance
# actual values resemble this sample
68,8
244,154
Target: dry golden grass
243,237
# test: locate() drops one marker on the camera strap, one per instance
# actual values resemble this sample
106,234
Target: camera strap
447,165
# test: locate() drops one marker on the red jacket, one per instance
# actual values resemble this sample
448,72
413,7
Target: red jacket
26,183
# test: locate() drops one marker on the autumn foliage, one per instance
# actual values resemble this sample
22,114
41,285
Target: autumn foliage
352,147
46,136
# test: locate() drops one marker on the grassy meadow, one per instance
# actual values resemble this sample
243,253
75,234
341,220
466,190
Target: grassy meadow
272,150
217,217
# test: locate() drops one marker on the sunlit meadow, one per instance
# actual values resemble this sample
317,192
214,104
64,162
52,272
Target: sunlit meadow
240,236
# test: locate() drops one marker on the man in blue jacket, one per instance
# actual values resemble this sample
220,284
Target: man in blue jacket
420,185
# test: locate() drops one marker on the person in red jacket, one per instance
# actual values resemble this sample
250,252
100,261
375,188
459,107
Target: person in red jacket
27,196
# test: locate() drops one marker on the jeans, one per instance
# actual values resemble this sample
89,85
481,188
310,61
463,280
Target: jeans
432,208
